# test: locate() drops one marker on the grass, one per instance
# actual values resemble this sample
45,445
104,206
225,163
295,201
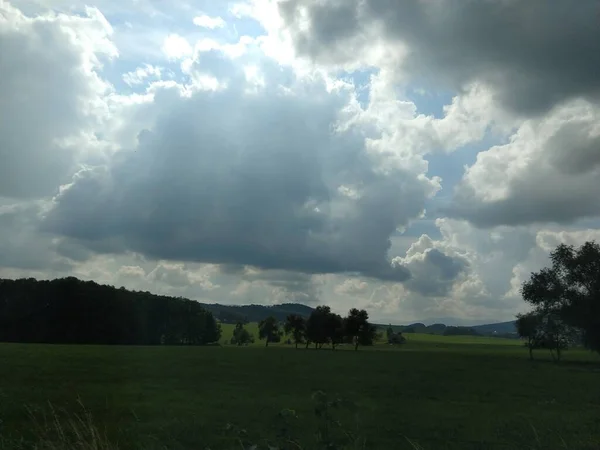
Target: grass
433,393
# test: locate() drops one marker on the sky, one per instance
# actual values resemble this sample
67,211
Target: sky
417,159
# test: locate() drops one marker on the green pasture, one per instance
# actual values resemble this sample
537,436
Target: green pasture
432,393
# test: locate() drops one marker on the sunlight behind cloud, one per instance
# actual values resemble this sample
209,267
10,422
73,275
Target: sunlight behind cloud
176,47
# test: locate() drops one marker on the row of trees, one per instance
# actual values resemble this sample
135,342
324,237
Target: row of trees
71,311
322,327
565,300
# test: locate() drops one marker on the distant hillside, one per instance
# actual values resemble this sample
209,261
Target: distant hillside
503,329
498,328
255,313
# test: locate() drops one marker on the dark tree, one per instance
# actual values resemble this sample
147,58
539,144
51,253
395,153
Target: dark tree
389,332
241,336
317,325
358,328
396,338
268,329
296,326
71,311
334,329
567,296
528,327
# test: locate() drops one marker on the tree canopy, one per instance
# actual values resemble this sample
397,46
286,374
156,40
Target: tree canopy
325,327
565,300
268,329
296,326
357,326
241,336
71,311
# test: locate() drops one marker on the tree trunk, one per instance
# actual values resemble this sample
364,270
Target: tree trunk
356,345
307,344
530,352
316,346
267,342
296,345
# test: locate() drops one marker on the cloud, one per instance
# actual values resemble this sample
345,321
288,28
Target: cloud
524,49
209,22
51,96
251,178
177,275
352,286
176,47
141,74
549,171
21,247
433,273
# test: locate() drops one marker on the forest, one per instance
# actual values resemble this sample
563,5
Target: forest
71,311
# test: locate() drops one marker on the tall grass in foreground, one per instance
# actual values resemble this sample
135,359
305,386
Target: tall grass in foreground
54,429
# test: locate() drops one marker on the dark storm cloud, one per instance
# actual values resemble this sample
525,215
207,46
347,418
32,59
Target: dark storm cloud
530,203
230,178
21,247
534,53
434,272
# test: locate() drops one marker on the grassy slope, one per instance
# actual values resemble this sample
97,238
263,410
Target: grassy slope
441,394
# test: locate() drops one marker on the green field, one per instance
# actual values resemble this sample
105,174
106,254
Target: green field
437,392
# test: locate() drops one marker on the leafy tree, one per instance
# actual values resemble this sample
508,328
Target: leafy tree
241,336
358,328
567,296
556,334
317,325
334,329
268,329
528,326
579,269
296,326
396,338
389,332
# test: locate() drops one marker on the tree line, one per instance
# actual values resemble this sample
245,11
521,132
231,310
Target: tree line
71,311
565,301
322,327
232,314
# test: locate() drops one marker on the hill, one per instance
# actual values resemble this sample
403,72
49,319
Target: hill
255,313
496,328
501,329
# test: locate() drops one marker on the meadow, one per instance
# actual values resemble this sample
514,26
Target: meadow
432,393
